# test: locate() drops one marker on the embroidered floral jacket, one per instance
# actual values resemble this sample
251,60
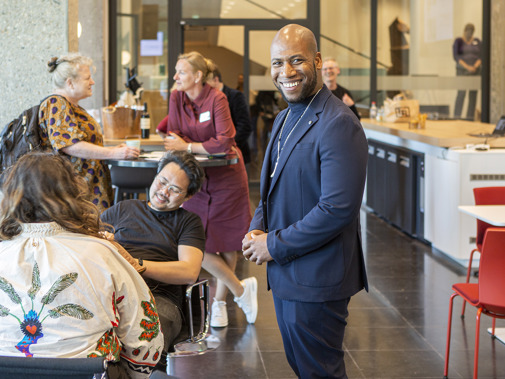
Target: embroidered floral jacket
65,294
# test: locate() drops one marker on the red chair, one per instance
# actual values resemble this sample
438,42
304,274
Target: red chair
483,196
487,295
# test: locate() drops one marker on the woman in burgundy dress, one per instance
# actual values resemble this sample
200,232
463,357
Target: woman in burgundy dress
199,122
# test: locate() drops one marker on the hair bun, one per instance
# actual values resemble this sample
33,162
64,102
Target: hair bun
52,64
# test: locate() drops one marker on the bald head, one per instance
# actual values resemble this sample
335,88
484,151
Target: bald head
297,35
295,63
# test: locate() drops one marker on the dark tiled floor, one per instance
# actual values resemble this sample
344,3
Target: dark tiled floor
396,330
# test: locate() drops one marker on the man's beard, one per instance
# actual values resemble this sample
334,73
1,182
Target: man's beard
307,90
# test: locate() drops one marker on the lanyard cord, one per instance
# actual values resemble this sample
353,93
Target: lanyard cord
279,149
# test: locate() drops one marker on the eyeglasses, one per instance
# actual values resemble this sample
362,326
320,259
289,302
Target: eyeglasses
163,184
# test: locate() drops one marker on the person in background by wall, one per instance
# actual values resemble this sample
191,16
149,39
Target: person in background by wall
466,51
67,128
331,70
239,112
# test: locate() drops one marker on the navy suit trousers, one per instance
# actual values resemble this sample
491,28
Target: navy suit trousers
312,334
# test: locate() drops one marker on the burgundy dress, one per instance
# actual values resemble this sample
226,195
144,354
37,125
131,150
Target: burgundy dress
223,202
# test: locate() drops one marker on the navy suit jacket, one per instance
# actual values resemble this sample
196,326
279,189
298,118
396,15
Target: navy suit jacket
310,208
241,119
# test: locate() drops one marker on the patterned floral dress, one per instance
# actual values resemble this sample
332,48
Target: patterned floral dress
64,124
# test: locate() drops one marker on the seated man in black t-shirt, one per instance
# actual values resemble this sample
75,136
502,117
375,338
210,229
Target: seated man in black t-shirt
168,240
330,72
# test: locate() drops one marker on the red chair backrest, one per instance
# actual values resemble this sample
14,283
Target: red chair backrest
492,271
487,196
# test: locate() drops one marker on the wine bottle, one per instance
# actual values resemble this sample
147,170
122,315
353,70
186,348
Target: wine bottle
145,122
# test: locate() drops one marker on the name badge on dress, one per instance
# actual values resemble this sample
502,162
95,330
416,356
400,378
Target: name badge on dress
205,116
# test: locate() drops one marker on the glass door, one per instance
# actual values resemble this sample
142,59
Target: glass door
224,44
265,100
142,54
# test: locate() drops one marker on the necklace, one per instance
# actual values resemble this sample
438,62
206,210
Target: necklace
279,148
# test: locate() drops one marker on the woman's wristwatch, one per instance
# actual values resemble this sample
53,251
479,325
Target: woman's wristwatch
189,150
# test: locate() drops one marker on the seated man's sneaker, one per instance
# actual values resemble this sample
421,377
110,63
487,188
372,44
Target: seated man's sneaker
249,299
219,314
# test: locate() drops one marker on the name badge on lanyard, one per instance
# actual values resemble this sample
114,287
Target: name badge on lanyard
205,116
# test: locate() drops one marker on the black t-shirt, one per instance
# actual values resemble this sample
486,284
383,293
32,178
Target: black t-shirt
340,92
154,236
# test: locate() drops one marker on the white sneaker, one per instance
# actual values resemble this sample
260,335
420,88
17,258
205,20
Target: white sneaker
249,299
219,314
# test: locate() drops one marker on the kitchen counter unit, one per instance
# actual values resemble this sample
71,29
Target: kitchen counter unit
443,133
448,167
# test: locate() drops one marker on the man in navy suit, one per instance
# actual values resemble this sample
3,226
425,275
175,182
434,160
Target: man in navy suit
306,226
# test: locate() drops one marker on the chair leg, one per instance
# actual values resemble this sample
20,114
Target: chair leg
476,353
468,273
469,269
170,365
447,347
493,328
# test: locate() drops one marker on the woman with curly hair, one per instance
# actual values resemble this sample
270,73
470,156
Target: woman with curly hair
65,291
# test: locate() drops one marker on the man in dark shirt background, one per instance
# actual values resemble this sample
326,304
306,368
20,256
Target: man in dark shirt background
330,74
239,113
